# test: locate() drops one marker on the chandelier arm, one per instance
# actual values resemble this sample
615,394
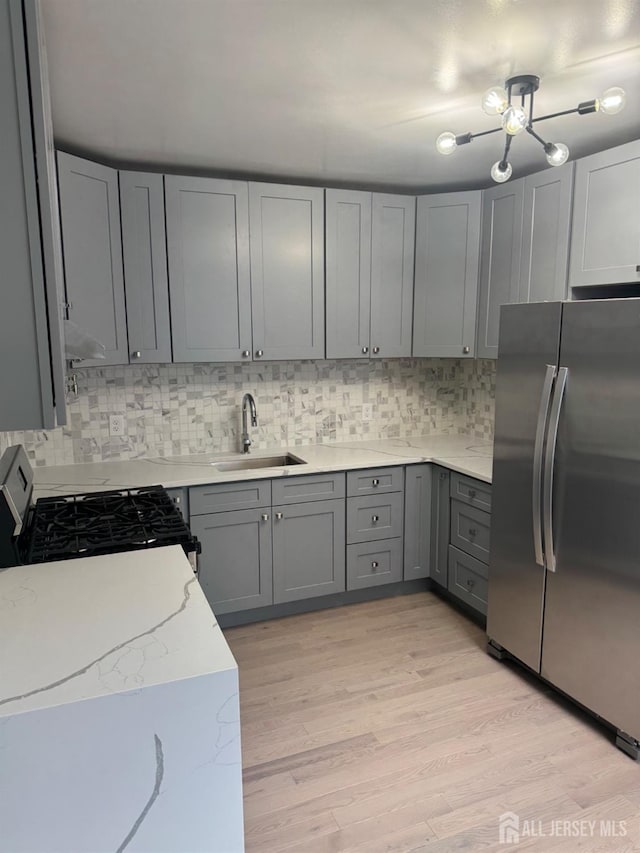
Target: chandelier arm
555,115
530,130
507,146
485,132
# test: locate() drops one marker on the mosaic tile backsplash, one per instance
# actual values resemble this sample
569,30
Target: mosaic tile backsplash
195,408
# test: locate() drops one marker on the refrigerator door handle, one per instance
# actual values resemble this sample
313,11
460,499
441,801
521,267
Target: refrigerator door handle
549,466
536,497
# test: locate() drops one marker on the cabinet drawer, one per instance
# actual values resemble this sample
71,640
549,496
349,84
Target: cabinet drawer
470,491
314,487
222,497
372,481
371,564
372,517
468,579
470,530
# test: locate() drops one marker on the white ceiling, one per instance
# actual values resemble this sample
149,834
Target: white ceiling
335,91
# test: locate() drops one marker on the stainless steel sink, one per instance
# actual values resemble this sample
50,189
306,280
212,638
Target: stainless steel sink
250,463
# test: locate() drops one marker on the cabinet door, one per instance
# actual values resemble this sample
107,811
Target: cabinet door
440,515
605,243
348,248
546,227
446,281
417,521
287,271
208,256
499,260
26,388
392,249
92,250
144,253
308,550
234,568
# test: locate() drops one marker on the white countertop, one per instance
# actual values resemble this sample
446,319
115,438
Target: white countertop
461,453
78,629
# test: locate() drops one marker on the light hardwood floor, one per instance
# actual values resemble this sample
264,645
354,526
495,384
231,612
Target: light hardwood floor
385,726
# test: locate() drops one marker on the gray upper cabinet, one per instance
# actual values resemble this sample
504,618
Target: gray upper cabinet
287,271
545,234
32,377
499,260
348,262
605,245
393,228
92,249
144,253
446,280
208,254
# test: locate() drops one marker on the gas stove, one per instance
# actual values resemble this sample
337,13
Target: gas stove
86,525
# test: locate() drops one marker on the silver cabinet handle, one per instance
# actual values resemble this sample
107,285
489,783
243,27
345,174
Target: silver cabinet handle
136,354
259,353
279,516
375,482
549,465
536,495
473,531
176,500
472,493
470,582
365,350
374,564
466,350
375,519
265,516
376,350
246,353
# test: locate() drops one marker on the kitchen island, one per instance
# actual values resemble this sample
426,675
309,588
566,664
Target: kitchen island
119,715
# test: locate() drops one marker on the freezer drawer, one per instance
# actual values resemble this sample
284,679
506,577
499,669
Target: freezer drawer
470,530
468,579
371,517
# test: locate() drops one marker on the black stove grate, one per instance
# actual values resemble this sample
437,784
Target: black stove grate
104,523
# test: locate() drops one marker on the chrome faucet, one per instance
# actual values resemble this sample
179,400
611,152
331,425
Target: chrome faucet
246,441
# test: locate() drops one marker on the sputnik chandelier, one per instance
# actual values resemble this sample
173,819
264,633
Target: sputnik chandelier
518,117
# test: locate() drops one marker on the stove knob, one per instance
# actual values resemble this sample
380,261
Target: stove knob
136,354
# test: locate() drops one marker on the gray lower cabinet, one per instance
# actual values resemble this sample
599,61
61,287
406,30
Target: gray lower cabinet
546,229
92,250
446,279
440,526
392,260
308,550
31,346
209,278
468,579
502,208
605,245
369,271
417,521
144,255
235,566
287,271
374,563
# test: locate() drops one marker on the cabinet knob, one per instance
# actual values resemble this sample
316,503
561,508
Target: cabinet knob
376,350
470,582
472,493
259,353
279,516
375,519
265,516
365,350
466,350
176,500
136,354
246,353
637,267
374,564
473,531
375,482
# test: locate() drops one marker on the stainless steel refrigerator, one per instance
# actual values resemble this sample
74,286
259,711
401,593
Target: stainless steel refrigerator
564,571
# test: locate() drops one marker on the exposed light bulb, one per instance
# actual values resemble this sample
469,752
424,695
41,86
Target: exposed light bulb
495,101
612,101
514,120
446,142
501,172
557,153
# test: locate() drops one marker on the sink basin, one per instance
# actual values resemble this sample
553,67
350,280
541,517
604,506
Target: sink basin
250,463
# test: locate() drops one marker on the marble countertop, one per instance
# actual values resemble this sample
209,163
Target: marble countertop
461,453
78,629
